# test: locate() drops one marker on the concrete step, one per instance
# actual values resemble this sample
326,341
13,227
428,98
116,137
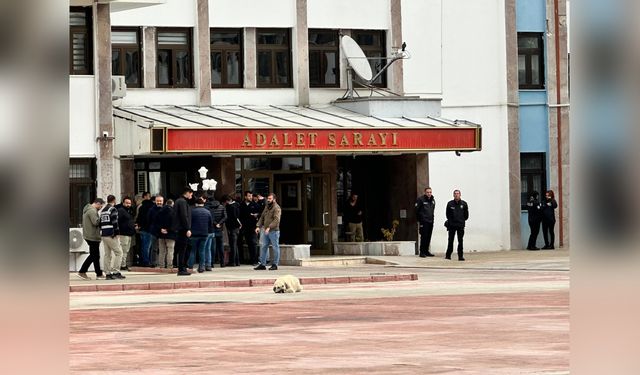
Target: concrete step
340,261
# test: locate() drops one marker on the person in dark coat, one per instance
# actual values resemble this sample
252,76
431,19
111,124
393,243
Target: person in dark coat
183,228
126,223
549,206
143,226
233,228
249,214
201,226
214,241
534,209
425,208
353,217
164,227
153,229
457,215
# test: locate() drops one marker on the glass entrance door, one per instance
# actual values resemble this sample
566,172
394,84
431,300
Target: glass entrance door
317,213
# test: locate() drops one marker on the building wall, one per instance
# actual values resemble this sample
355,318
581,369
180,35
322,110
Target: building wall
82,116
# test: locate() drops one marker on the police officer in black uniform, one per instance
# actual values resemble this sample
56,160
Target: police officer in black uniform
457,214
425,206
535,219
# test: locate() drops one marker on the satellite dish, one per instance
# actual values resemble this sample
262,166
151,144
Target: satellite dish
356,58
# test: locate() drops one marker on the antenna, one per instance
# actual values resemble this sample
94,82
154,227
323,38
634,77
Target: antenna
358,63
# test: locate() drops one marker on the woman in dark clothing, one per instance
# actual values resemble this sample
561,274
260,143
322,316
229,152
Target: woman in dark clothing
534,209
549,206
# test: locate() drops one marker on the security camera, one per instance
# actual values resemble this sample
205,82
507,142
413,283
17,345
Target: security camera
105,134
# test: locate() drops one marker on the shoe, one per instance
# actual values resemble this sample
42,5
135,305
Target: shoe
551,248
110,277
533,248
119,276
273,267
125,268
430,255
461,259
422,256
255,264
545,247
200,270
222,266
208,268
237,265
449,258
83,275
184,273
260,267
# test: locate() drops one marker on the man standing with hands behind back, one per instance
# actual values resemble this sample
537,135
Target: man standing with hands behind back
425,207
457,214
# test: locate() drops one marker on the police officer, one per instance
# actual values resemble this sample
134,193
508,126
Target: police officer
535,218
457,214
425,206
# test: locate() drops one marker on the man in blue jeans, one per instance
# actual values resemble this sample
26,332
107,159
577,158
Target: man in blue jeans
142,224
270,223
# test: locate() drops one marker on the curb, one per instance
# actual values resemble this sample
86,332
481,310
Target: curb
238,283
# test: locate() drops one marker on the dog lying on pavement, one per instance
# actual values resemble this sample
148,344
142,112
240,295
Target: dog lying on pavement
287,284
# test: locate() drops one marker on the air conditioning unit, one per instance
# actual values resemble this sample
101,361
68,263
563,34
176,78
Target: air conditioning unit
118,87
78,249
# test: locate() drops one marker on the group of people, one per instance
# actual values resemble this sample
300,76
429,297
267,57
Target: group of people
542,213
185,231
457,212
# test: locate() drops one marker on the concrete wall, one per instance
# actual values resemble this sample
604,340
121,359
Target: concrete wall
82,116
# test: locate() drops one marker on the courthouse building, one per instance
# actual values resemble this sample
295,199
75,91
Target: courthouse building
256,93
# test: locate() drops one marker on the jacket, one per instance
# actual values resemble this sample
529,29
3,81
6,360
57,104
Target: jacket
233,216
201,222
534,208
548,210
218,213
90,227
166,219
152,220
125,221
270,217
182,212
425,208
351,212
143,215
109,221
249,212
457,213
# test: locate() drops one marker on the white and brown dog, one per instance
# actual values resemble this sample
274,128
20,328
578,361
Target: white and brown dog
287,284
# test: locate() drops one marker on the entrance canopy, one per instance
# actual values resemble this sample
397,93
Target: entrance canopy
239,129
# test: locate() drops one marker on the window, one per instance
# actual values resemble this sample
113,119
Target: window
373,43
226,58
82,188
174,68
126,56
81,51
533,175
274,58
530,61
324,65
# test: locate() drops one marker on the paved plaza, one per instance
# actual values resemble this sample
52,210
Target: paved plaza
496,313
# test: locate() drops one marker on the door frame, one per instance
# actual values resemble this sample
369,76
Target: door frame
328,225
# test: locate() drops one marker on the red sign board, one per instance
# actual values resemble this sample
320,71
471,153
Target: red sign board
323,140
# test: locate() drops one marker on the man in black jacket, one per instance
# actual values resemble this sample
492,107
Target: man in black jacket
214,242
249,213
143,225
457,214
425,207
233,227
109,230
183,228
127,230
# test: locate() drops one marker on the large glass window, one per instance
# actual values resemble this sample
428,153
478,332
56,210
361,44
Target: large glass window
373,44
226,58
324,65
82,188
174,58
126,56
530,61
533,175
80,41
273,47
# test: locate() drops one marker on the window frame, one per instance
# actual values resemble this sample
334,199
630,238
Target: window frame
224,51
130,47
368,50
527,175
77,183
175,48
87,29
323,49
528,53
273,49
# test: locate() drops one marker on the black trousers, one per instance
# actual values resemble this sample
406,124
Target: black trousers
548,233
534,226
249,236
181,249
426,230
94,257
234,257
452,233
